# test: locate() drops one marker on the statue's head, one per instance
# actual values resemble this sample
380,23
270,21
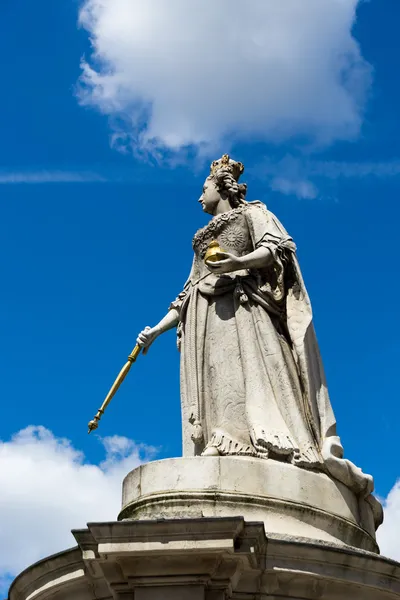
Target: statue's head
223,183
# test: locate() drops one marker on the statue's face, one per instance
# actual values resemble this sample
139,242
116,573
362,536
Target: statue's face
210,197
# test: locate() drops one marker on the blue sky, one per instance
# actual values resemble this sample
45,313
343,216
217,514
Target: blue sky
95,241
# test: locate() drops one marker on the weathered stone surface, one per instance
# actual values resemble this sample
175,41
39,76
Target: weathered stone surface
62,573
252,379
290,501
204,559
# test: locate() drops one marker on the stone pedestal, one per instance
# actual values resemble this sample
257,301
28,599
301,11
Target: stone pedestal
221,529
288,500
204,559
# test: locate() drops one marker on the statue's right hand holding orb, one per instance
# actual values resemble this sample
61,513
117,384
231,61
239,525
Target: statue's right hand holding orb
147,337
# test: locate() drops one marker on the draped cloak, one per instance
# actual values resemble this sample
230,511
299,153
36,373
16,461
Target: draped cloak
252,380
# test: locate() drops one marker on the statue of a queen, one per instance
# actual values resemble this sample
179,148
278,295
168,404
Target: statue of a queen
252,380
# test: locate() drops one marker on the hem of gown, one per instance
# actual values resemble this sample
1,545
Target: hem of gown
227,446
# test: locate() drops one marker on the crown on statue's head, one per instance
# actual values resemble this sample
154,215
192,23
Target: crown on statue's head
235,168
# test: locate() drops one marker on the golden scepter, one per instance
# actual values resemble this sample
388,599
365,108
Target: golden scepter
123,373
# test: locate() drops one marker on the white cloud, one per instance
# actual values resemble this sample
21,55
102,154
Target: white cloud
297,187
173,74
18,177
47,489
388,533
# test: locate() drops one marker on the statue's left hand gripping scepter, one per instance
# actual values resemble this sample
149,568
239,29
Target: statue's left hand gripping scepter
123,373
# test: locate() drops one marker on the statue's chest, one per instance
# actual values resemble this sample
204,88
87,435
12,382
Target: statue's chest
229,230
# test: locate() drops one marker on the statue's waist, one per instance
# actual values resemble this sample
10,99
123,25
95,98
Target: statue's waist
242,283
215,285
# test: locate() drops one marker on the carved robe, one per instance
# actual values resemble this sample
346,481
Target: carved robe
251,373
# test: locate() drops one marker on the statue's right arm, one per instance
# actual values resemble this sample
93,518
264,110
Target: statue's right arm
149,334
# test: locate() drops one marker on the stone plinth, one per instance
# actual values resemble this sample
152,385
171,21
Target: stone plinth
204,559
289,501
219,529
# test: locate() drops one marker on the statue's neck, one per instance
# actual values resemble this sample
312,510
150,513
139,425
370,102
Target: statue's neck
223,206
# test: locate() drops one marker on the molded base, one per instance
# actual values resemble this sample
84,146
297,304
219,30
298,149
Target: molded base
290,501
204,559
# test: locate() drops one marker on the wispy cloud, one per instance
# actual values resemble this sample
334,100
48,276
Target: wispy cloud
297,187
337,170
300,176
36,177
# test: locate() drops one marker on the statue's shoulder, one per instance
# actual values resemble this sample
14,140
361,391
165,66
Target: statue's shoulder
256,204
259,213
257,208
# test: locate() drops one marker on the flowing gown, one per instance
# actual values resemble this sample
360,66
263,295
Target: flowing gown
252,381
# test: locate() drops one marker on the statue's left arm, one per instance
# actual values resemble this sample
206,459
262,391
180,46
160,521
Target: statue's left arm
228,263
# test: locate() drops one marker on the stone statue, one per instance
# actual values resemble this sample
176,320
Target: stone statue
262,504
252,380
